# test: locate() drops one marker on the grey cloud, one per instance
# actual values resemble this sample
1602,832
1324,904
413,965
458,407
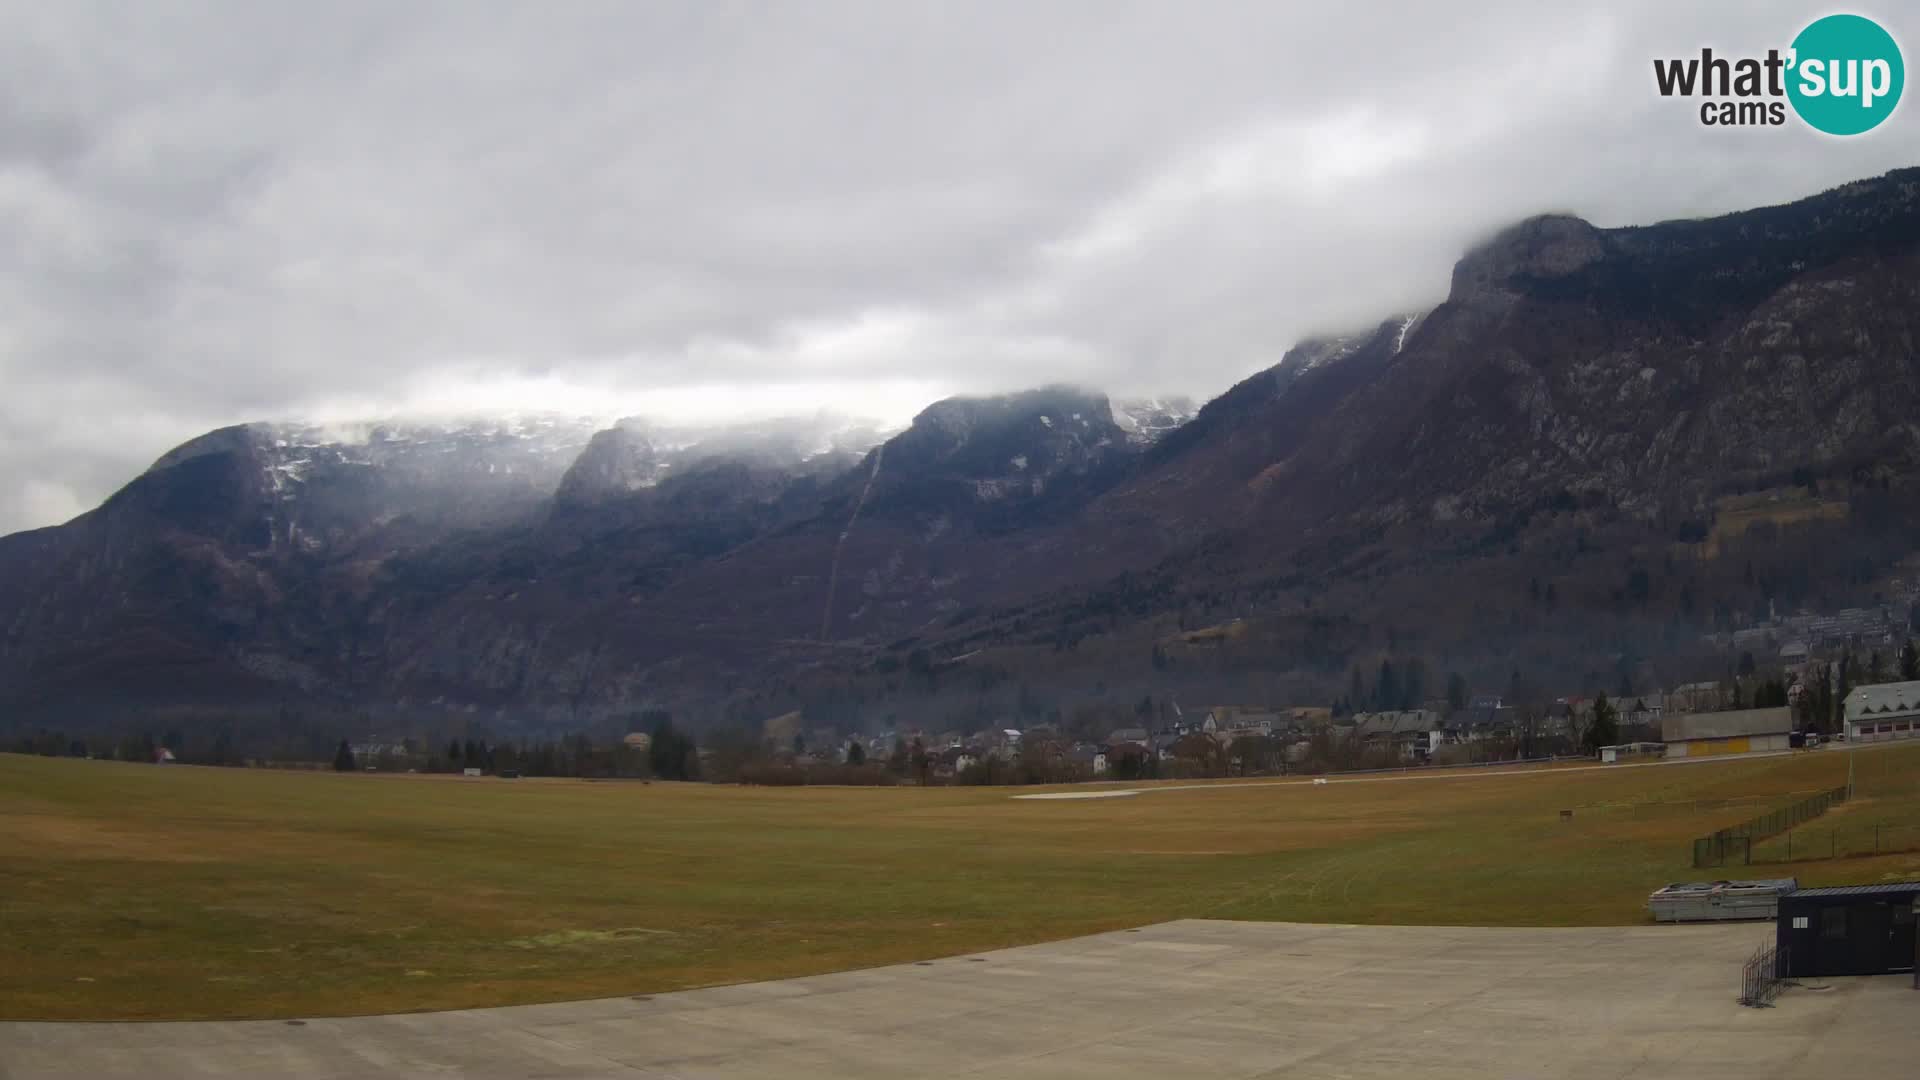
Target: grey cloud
216,212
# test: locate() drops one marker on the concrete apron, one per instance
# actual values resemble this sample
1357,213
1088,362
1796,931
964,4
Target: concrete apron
1195,997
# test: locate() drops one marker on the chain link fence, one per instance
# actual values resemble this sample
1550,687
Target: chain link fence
1737,841
1859,838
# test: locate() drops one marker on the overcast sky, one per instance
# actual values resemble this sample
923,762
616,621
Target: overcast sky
212,213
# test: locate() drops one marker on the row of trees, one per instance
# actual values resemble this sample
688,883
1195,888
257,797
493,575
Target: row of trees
668,754
1397,685
754,762
219,749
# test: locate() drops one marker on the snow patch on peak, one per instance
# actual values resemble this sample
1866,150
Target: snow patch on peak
1319,352
1145,420
1338,349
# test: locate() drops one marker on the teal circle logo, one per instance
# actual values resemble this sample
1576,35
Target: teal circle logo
1846,76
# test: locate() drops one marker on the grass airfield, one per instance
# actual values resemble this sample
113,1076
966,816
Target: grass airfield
140,892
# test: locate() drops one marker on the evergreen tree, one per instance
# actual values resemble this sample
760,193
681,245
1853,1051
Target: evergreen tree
922,764
1386,692
856,753
1605,729
1909,662
1457,697
1843,688
1413,684
672,754
343,758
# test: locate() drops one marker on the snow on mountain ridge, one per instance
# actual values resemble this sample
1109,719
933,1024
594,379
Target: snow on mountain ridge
1145,420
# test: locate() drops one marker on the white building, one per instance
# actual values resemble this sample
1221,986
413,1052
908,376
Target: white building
1886,711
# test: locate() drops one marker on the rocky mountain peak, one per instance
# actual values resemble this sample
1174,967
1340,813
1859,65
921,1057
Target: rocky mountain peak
638,455
238,438
985,434
1146,420
1545,247
616,462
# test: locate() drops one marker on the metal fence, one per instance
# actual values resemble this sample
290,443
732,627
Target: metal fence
1738,840
1855,838
1762,977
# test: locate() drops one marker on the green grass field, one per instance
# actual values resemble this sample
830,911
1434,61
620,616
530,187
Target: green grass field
131,891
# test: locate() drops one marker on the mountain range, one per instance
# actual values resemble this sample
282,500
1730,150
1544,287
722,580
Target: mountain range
1602,444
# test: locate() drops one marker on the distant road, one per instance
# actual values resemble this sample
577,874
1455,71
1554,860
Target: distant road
1456,772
